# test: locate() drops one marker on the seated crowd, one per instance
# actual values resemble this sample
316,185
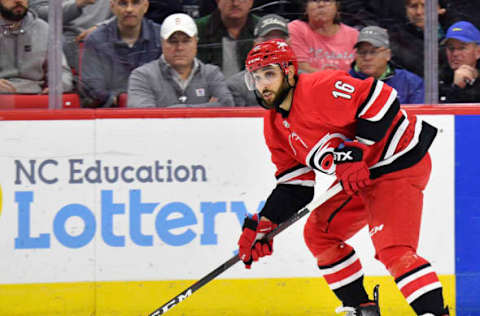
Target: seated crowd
151,53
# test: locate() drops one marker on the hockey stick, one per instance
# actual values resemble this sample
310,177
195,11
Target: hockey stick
232,261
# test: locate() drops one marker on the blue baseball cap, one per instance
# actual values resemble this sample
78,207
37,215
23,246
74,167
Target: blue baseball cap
463,31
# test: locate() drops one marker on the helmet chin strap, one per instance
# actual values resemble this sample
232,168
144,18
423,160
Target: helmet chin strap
278,101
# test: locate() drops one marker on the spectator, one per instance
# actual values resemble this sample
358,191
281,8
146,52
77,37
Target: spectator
114,49
80,17
393,13
23,51
372,59
320,40
459,82
178,78
269,27
407,39
226,35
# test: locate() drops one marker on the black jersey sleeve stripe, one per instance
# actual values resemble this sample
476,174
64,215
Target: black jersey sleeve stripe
285,200
370,93
413,156
390,137
375,131
297,167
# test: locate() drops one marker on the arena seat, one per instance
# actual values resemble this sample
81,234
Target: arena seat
122,100
36,101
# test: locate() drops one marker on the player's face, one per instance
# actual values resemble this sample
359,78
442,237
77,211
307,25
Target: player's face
270,83
461,53
180,49
372,60
13,10
234,9
129,12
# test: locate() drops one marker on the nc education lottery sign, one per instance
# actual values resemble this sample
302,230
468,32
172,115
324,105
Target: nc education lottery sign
152,199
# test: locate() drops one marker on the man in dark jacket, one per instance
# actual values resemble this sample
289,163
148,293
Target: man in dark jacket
407,42
372,59
459,82
116,48
226,36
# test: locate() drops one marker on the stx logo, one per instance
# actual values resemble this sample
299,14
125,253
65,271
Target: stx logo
342,156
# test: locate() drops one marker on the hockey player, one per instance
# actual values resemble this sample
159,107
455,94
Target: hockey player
334,123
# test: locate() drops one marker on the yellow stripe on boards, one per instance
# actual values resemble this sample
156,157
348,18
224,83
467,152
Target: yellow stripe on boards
246,297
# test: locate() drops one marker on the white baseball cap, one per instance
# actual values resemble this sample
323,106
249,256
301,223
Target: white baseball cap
178,22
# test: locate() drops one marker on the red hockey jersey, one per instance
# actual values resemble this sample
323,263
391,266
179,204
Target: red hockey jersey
330,107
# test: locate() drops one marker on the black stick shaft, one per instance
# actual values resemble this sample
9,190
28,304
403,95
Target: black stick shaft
233,260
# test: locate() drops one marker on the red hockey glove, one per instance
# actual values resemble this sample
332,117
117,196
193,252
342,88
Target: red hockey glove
351,170
251,245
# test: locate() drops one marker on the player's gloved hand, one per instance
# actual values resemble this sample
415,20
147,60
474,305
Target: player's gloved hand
351,169
251,245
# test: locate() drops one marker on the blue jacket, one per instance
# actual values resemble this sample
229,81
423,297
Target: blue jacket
409,86
108,61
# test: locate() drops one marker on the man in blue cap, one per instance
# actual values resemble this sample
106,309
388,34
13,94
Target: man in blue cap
459,82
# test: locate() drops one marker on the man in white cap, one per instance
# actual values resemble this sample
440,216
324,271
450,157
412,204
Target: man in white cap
372,59
178,78
459,82
269,27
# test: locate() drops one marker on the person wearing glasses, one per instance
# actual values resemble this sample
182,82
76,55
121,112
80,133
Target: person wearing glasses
226,35
178,78
372,59
320,40
459,82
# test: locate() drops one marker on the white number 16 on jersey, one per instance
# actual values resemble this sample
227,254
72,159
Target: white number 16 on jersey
345,87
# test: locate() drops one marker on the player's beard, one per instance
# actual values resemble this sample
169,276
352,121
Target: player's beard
279,95
10,15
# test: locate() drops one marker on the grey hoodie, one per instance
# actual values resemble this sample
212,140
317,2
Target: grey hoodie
75,19
153,85
23,58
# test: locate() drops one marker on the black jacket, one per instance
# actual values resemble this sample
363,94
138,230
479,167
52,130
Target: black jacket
450,93
211,31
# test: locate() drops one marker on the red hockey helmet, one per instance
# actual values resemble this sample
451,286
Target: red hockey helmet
275,51
272,52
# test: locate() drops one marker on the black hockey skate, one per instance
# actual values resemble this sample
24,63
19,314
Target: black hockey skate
367,309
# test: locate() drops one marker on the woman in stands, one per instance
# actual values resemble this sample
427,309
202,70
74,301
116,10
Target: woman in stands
320,40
